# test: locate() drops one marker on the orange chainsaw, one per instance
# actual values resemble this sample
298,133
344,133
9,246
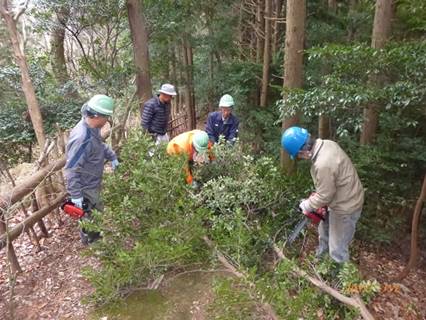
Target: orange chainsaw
72,210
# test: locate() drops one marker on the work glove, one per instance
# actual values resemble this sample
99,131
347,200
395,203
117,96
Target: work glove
195,185
114,164
304,206
78,202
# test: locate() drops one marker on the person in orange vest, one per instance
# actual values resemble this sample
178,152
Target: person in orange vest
193,143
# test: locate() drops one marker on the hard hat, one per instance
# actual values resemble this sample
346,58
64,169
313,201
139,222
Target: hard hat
293,140
101,104
200,141
168,89
226,101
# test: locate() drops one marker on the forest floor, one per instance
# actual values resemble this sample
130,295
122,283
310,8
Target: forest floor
52,287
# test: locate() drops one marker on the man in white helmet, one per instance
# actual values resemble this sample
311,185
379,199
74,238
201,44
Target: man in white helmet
223,122
86,154
156,113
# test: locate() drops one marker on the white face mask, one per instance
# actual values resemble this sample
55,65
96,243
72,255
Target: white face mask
200,158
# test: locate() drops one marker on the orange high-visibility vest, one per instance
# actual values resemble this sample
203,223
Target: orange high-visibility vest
182,144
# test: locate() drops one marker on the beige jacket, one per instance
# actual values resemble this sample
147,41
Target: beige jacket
335,178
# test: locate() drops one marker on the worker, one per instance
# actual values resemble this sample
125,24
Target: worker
156,113
195,145
337,186
85,157
223,122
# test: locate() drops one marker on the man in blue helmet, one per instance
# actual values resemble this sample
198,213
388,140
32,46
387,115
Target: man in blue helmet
337,186
86,154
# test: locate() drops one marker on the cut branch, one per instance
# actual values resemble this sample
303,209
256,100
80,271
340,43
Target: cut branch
354,302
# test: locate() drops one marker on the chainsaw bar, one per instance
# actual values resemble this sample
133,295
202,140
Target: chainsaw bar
299,227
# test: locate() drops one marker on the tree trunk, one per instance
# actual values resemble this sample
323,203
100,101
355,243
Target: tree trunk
324,121
57,51
189,96
266,54
138,29
260,24
381,33
277,27
332,6
27,85
293,63
414,254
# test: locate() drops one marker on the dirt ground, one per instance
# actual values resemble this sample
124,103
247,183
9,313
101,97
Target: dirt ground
52,287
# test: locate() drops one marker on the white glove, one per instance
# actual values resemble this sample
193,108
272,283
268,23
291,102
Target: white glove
78,202
304,206
114,164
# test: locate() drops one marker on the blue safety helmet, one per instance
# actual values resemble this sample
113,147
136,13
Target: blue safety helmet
293,140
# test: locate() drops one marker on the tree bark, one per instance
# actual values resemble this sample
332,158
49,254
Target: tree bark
332,6
293,63
381,33
266,54
138,29
27,85
57,51
277,27
260,24
188,61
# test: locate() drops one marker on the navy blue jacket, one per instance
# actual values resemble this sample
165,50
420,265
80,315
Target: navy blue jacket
155,116
215,127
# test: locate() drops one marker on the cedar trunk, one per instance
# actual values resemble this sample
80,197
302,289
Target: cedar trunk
293,63
266,54
381,33
138,29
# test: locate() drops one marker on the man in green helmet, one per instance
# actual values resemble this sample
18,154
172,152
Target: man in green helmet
86,154
195,144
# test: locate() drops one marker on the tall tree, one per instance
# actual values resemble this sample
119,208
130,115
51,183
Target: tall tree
27,86
57,52
323,120
260,25
277,26
293,62
381,33
138,29
266,53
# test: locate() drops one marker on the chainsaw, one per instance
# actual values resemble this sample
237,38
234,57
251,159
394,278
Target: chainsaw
315,217
72,210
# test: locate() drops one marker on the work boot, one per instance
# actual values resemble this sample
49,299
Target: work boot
84,237
93,236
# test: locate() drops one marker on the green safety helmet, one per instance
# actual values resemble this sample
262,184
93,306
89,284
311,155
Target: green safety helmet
226,101
101,104
200,141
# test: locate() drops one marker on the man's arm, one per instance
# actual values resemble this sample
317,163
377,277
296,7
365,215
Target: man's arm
233,131
325,188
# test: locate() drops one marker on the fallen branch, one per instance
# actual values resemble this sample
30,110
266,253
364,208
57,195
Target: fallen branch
354,302
228,265
30,221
